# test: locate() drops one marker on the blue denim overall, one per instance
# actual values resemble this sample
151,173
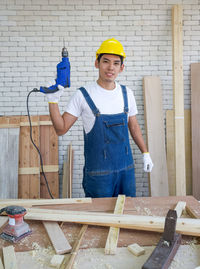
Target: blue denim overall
109,167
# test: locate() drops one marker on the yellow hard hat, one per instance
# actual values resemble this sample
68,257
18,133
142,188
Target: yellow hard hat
111,46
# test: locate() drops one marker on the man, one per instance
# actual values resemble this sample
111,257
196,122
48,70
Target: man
108,111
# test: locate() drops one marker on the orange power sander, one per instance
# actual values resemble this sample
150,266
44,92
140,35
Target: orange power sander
16,229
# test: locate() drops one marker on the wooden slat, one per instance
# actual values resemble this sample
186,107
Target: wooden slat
113,235
180,207
171,155
68,174
155,135
177,49
195,114
68,262
49,151
9,158
10,261
1,264
149,223
36,170
40,202
57,237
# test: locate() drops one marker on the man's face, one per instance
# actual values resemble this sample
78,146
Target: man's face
109,67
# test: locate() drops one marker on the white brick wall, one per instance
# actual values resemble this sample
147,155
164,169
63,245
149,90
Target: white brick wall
31,39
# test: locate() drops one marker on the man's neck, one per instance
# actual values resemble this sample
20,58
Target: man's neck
106,85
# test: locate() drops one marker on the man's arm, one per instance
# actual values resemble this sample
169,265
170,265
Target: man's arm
61,123
136,133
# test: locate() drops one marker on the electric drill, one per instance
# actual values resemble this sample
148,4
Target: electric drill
63,74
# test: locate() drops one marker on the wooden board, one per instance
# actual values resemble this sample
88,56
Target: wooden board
155,135
113,234
29,184
68,174
195,114
9,147
171,148
57,237
49,151
178,91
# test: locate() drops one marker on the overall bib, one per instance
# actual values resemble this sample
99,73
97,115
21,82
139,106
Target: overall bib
109,167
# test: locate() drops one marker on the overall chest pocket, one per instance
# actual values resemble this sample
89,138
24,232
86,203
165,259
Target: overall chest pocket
114,131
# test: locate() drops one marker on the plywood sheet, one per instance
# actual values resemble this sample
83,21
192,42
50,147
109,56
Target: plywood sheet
49,151
155,135
195,114
171,148
9,148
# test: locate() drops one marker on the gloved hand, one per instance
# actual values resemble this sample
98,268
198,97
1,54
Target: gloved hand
54,97
148,164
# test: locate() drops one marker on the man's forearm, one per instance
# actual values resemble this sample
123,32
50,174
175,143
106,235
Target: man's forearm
57,119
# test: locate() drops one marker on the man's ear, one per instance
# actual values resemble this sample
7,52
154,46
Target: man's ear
96,63
121,68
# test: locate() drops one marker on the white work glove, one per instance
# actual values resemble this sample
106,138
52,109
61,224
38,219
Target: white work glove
54,97
148,164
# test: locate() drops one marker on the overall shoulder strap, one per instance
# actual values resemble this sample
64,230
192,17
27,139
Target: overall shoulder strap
89,101
124,92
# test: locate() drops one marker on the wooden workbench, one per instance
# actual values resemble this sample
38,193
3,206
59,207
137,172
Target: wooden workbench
95,237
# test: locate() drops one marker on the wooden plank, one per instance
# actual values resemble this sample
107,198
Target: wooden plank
9,158
171,148
195,114
36,170
113,234
68,262
10,261
149,223
40,202
57,237
29,185
68,174
177,51
180,207
155,128
49,151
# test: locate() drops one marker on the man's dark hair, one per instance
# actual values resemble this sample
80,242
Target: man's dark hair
100,55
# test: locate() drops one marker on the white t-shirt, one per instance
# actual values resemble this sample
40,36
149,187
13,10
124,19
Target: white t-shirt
107,101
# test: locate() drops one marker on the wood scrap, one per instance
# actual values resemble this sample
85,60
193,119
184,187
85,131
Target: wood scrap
57,237
136,249
186,226
69,261
113,234
57,260
9,258
3,220
178,90
155,128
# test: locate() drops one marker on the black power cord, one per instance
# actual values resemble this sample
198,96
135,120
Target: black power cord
41,161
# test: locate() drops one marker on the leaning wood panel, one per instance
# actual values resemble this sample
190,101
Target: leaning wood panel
9,147
195,114
170,151
29,184
178,91
155,135
49,151
68,174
